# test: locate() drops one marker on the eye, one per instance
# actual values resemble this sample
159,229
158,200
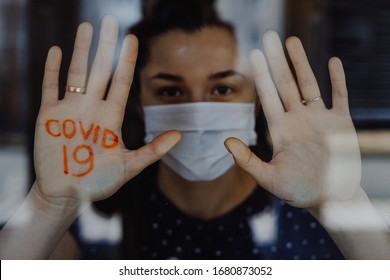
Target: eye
170,92
222,90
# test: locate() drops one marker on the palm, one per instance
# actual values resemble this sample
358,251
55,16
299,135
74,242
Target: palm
316,155
311,159
78,149
77,160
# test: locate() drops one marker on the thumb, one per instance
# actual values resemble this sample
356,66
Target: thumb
248,161
139,159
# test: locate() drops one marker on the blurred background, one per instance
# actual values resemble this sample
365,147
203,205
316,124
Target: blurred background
357,31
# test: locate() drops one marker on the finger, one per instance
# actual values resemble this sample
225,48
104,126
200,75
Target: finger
269,98
307,82
123,77
139,159
77,73
284,79
50,78
261,171
102,65
339,86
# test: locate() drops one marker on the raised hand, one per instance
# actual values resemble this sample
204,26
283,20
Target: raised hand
78,150
316,157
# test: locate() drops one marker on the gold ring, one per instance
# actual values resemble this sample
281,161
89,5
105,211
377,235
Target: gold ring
305,101
75,89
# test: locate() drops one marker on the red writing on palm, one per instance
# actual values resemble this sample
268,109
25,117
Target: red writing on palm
93,133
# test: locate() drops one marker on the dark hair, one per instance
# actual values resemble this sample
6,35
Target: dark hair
162,16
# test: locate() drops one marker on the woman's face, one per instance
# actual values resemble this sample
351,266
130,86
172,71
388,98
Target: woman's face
195,67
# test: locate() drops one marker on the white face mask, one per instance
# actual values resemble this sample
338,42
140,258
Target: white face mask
201,154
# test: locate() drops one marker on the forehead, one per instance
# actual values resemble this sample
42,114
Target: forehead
178,51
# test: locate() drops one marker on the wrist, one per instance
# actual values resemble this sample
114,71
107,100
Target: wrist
54,208
37,226
354,214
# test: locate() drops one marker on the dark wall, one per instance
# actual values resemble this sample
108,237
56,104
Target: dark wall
49,22
357,31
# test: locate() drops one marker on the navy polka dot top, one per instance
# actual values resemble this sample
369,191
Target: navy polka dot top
250,231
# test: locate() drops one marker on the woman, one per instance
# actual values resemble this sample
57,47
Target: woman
196,203
80,157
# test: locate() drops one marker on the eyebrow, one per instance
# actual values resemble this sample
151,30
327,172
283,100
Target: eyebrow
225,74
168,76
214,76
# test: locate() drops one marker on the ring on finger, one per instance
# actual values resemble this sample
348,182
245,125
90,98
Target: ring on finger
305,101
75,89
